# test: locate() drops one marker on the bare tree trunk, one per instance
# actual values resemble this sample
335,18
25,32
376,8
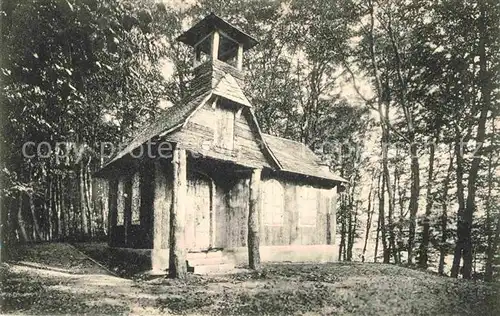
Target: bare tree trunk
102,208
87,194
470,205
348,252
53,203
50,207
386,181
368,221
352,231
392,226
36,225
492,235
464,231
20,220
380,219
492,251
408,111
382,110
457,256
402,215
63,219
414,196
444,217
82,205
8,237
423,255
377,236
343,229
383,230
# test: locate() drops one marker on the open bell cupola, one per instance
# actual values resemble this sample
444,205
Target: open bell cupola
214,39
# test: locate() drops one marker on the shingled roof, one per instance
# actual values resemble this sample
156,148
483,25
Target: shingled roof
297,158
170,120
287,155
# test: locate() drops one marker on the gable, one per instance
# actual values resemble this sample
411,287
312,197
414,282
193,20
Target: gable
229,89
202,132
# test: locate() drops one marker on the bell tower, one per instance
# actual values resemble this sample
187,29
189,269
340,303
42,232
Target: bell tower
218,50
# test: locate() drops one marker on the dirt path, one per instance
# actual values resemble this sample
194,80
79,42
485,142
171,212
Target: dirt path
72,284
58,278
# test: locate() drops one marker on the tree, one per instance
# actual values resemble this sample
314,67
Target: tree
74,74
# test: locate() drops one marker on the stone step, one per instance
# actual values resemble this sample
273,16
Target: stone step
203,255
206,261
213,268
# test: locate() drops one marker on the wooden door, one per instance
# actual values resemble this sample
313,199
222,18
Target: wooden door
197,227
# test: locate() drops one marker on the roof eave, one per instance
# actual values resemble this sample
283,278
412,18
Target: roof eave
189,37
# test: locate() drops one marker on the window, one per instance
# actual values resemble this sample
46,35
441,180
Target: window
273,199
228,50
120,202
136,199
224,129
202,51
307,204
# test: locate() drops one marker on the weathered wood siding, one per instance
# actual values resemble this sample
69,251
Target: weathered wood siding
290,212
231,214
298,201
298,198
246,138
233,206
237,214
209,74
221,218
161,205
197,227
199,134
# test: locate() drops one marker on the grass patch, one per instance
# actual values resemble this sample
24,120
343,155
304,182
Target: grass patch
23,294
123,262
276,289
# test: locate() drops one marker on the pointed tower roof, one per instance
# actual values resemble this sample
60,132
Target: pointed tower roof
210,23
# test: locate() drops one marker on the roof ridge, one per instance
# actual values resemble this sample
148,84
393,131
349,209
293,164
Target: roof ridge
155,129
261,136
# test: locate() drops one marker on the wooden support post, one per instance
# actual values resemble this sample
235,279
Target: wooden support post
253,221
215,45
112,209
177,258
213,215
147,192
162,202
127,210
240,57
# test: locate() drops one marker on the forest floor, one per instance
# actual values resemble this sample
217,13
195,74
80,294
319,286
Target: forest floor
56,278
